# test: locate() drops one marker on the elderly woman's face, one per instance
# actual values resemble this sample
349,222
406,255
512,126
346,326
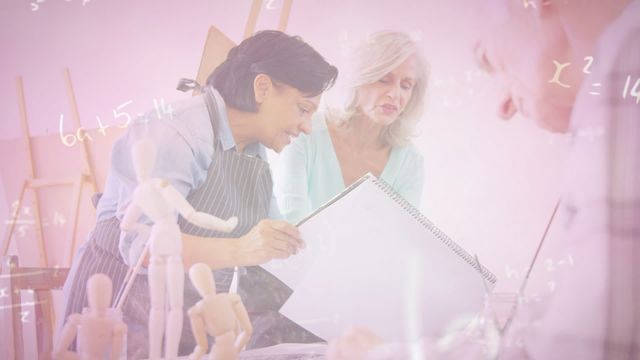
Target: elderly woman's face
384,100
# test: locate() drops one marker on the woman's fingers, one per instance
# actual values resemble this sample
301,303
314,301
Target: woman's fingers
284,245
290,230
283,241
272,239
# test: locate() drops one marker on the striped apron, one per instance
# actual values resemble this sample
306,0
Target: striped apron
236,185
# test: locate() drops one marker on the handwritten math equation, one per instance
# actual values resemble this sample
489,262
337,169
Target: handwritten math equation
631,87
24,314
550,265
5,292
23,219
81,134
35,5
269,5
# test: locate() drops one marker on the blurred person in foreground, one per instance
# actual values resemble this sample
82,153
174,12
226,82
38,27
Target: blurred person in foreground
595,311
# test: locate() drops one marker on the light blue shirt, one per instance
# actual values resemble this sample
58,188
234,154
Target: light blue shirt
184,154
309,173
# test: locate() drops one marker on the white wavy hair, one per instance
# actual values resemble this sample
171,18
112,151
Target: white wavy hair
379,54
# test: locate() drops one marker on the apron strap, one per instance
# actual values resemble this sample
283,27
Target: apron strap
185,85
212,106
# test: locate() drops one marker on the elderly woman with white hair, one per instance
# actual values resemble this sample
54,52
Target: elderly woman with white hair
370,132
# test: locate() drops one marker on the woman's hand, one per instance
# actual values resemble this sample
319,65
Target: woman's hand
269,239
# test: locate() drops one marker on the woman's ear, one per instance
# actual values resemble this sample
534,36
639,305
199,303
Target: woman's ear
262,85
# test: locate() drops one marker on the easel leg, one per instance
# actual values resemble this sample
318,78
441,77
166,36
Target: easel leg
14,217
44,260
77,192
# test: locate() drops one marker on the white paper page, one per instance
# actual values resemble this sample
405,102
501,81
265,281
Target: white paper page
290,271
379,267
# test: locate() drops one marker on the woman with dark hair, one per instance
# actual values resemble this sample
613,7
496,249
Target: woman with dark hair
212,151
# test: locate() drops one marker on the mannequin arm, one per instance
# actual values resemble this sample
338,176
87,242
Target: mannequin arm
134,233
201,219
243,322
69,332
129,221
199,332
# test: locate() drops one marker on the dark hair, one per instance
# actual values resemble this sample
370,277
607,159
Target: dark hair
286,59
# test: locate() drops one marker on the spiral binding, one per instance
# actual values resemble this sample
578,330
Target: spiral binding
415,213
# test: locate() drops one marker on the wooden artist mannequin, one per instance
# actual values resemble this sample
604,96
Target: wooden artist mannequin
99,332
159,200
218,315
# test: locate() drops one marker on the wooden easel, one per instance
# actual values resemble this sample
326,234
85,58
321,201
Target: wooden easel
217,45
32,279
32,182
